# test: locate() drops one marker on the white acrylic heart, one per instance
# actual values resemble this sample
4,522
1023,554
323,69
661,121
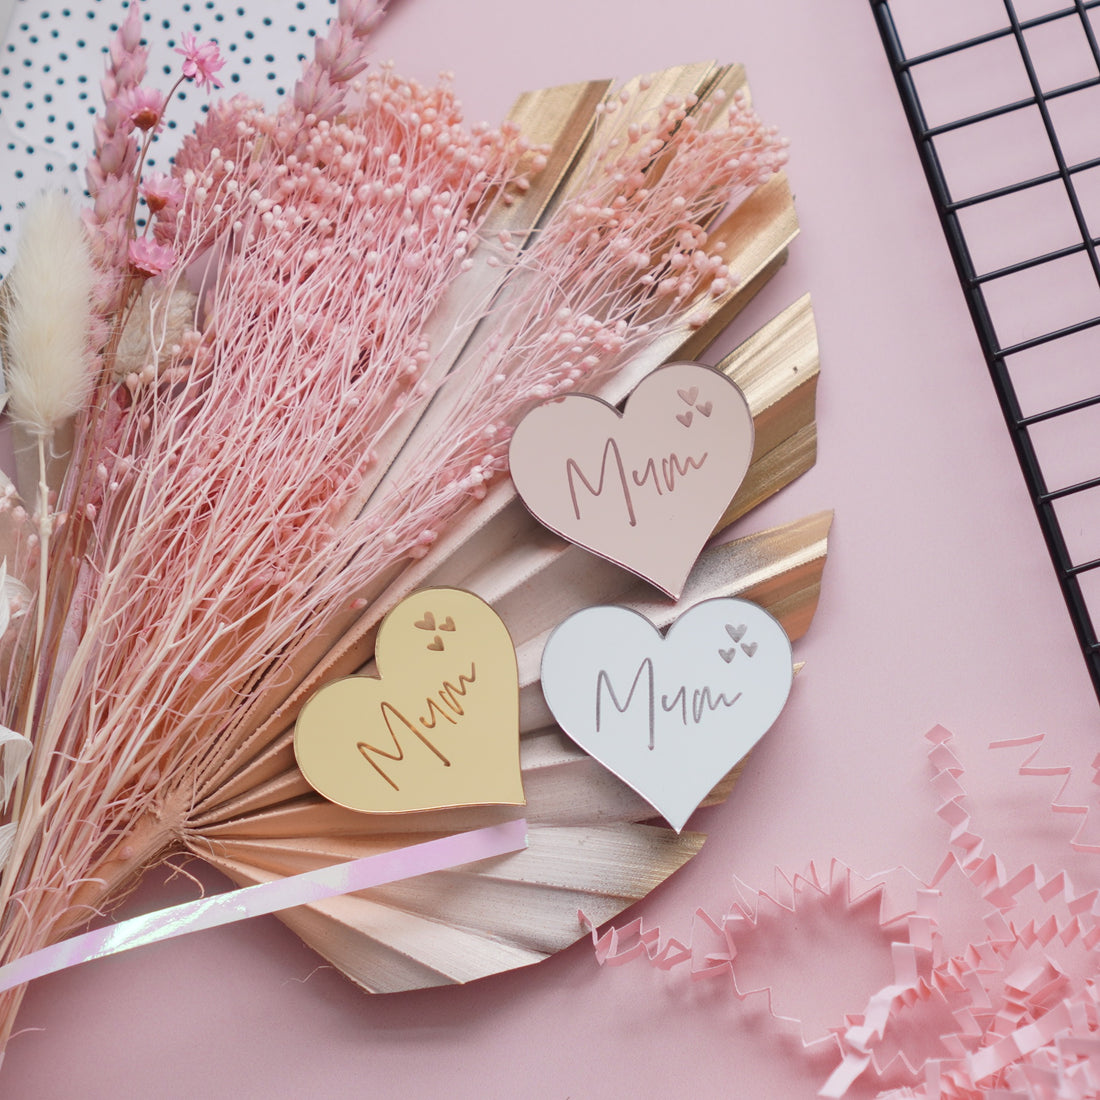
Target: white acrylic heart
668,715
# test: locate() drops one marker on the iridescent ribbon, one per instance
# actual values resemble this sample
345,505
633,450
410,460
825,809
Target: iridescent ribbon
269,897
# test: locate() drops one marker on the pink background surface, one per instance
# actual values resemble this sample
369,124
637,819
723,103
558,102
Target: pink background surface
939,605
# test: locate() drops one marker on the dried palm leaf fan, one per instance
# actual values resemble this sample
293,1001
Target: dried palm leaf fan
144,746
588,848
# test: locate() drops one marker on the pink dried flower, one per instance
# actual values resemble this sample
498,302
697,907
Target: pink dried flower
149,257
201,60
161,192
143,107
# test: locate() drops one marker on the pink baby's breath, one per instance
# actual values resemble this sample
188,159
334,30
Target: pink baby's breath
201,60
149,257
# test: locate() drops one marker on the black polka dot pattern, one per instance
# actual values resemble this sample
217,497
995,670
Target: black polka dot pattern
54,54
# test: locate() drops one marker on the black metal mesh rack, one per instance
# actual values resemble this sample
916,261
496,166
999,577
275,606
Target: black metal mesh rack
1051,152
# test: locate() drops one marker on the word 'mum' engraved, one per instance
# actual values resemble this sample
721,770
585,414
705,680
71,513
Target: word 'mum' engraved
664,476
693,707
449,708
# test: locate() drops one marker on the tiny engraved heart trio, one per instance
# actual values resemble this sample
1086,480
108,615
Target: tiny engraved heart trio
428,623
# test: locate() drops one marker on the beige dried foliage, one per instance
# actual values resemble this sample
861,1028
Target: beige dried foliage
161,319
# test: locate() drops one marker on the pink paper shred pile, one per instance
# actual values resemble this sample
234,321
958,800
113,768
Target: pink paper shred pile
1012,1015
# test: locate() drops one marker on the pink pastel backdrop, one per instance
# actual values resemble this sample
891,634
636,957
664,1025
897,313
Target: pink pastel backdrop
939,606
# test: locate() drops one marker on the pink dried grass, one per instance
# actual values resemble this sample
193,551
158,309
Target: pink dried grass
214,502
111,174
204,530
338,57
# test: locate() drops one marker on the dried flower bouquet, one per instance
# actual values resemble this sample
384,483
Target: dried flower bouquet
254,418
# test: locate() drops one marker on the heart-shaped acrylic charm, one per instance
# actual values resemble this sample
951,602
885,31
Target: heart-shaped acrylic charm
668,715
438,726
645,487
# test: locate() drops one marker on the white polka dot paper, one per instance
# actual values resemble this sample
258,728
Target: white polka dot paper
53,58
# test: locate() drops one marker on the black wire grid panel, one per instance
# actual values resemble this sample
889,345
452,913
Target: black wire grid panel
977,285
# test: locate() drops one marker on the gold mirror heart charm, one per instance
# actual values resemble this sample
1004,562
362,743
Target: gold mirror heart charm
438,727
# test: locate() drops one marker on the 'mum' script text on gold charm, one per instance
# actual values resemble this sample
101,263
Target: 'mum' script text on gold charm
449,708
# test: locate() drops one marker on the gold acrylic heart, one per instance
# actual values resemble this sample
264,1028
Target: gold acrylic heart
438,726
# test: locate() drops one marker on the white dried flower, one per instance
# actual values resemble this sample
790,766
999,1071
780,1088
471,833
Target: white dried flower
48,366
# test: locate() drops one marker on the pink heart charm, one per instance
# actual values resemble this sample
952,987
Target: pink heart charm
635,487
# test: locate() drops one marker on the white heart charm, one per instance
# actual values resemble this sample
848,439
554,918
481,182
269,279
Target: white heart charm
668,715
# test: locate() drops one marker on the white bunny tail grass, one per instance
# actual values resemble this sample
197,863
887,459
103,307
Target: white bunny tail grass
48,365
